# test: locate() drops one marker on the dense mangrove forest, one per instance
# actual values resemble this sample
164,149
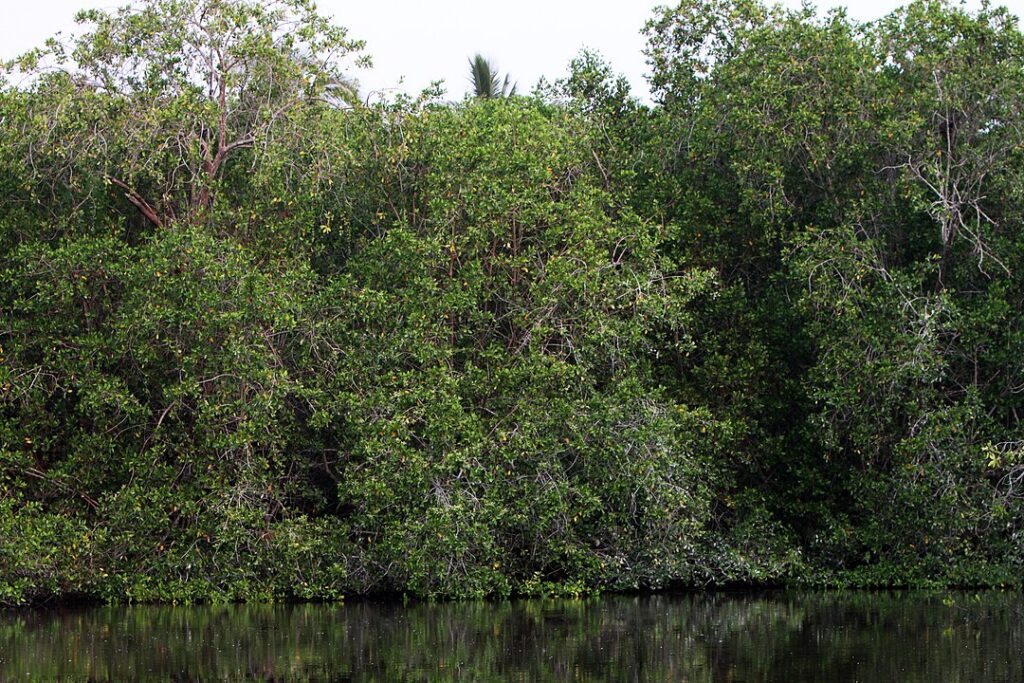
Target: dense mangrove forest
267,338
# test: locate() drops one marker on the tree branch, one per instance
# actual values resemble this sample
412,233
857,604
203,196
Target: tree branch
223,152
135,198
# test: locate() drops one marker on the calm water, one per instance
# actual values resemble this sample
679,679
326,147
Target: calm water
786,637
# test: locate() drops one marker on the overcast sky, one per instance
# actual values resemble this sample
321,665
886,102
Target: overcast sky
421,40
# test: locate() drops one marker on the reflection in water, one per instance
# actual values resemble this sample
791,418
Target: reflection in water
788,637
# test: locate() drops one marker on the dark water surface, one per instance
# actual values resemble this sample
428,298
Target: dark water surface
778,636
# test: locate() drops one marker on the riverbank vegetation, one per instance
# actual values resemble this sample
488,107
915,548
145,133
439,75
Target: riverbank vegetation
262,339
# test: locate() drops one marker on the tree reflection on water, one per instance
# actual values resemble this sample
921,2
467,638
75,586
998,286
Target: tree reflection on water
690,637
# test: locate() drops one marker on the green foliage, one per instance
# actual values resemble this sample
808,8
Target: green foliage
261,343
863,173
496,399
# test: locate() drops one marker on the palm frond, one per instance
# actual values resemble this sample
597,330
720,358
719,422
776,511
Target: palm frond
486,80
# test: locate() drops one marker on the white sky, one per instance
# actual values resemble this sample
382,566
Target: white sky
423,40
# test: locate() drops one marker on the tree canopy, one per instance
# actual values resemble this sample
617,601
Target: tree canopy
260,341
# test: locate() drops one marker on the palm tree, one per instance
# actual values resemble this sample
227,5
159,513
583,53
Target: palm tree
486,80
